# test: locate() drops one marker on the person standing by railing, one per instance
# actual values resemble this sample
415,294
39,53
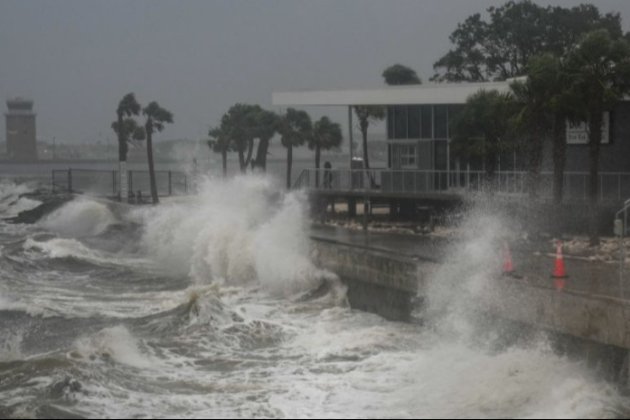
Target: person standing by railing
327,176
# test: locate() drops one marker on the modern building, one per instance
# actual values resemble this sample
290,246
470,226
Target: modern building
419,141
20,130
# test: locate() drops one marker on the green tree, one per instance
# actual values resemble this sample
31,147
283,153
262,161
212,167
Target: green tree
517,31
266,123
295,129
481,129
326,135
125,128
599,70
535,97
156,117
400,75
562,103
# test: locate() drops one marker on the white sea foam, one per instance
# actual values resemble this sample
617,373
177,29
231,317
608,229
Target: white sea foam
114,343
63,248
22,204
237,231
356,365
11,204
303,361
79,218
10,346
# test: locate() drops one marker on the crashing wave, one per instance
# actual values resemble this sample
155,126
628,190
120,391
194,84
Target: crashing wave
79,218
236,232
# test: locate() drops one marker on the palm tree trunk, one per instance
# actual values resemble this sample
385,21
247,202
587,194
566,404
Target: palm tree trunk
366,159
261,154
535,162
122,161
224,162
366,155
490,157
559,158
250,152
289,164
317,160
241,159
154,192
595,137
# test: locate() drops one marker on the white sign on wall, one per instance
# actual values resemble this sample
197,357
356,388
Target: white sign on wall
577,133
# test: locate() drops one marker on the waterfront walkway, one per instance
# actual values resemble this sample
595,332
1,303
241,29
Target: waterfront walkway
533,261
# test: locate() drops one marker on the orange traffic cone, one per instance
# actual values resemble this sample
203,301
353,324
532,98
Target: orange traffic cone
559,272
508,266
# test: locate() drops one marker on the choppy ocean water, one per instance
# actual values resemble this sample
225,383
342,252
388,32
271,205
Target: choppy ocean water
196,308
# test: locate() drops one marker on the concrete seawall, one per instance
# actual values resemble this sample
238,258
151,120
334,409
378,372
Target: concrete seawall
387,283
378,281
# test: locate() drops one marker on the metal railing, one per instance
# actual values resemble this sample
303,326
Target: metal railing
105,183
613,186
621,230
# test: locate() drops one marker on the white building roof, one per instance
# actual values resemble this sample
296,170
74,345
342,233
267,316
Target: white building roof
437,93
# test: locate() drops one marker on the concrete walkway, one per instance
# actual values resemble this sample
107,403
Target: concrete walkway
533,267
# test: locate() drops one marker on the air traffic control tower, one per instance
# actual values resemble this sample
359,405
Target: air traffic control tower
20,125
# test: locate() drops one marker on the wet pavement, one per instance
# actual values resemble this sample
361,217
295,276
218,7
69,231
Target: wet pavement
533,262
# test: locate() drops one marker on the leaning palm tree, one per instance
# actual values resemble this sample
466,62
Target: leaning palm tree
294,128
326,135
125,129
156,118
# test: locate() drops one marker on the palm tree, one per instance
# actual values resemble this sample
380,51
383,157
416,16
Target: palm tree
125,129
156,118
239,124
326,135
547,77
366,115
267,123
220,143
534,120
599,68
295,128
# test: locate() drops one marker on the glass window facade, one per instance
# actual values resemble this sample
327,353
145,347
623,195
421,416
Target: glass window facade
414,122
400,122
408,157
418,121
427,118
428,126
440,122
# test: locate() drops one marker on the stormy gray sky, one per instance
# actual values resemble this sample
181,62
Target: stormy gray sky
77,58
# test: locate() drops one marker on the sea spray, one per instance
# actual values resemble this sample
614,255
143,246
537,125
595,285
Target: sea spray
469,268
79,218
237,231
139,342
11,200
115,343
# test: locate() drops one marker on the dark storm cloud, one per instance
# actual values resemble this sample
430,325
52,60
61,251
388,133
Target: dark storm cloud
77,58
